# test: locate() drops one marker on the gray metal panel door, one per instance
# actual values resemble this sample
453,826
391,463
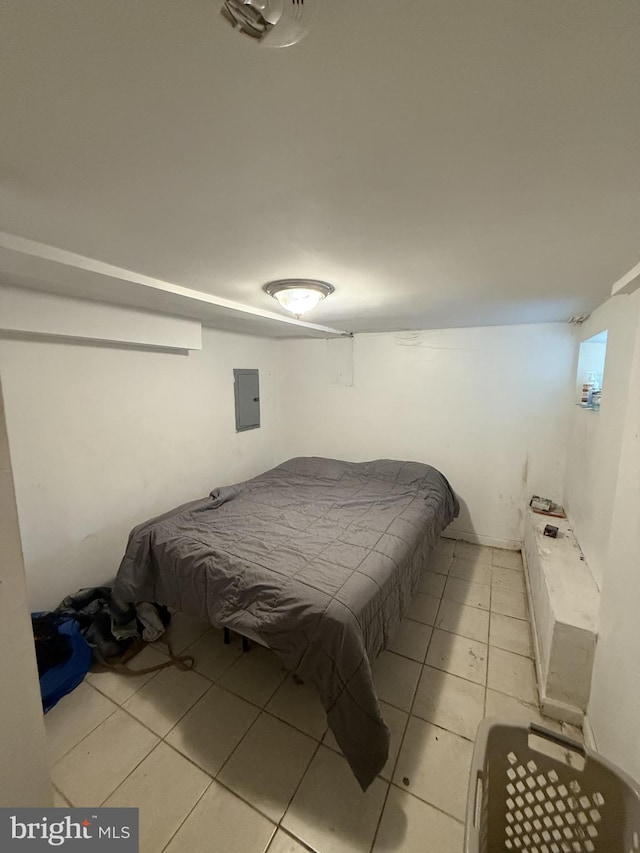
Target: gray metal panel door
247,394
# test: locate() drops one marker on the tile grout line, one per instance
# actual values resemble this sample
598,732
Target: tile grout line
188,815
110,714
254,808
262,711
215,778
427,803
384,803
133,769
295,838
293,796
137,690
213,683
61,794
486,681
296,728
535,706
156,674
162,738
118,708
446,671
198,672
181,717
409,715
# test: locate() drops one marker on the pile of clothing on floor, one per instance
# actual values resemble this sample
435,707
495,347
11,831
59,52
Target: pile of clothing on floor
88,625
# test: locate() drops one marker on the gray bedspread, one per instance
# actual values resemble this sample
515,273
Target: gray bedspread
317,558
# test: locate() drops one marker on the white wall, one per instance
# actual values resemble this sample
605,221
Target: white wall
24,776
603,500
33,312
595,438
489,407
615,692
103,437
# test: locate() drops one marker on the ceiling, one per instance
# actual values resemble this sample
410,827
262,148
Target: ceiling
441,162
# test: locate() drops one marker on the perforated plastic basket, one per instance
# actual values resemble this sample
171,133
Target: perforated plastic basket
534,791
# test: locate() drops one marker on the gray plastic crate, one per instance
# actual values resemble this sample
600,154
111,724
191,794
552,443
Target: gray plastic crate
534,791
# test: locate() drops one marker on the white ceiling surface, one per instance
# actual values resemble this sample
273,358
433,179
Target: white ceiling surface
26,263
441,162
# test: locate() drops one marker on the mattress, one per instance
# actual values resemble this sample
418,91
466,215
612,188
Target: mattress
318,559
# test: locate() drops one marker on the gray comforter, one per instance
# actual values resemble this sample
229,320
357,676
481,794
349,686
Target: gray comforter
317,558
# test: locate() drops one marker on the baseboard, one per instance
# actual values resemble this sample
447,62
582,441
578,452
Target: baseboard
481,539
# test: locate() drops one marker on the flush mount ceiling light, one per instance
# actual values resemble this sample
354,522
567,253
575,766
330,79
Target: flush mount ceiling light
298,295
271,23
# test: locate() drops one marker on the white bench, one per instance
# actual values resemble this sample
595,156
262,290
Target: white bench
564,602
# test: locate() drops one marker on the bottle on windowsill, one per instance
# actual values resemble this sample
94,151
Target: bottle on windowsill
588,388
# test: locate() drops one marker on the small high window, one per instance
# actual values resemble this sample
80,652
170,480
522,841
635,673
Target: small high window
591,371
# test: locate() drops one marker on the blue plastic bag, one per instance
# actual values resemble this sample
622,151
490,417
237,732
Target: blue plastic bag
59,680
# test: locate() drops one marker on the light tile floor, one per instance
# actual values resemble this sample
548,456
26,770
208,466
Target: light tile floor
236,755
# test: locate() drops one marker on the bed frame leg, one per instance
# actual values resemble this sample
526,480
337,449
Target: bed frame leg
245,644
227,636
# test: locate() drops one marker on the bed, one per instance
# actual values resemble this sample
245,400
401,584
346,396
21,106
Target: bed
317,559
